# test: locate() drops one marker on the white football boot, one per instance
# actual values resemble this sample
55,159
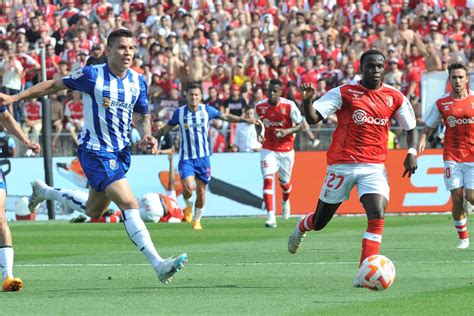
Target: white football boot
463,243
271,220
169,267
295,239
37,196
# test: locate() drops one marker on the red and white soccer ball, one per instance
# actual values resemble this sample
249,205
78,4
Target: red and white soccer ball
377,273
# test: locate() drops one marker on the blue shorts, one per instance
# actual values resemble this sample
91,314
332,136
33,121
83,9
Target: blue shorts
3,183
102,167
199,168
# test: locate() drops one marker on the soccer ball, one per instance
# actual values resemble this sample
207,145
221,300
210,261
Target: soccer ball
377,273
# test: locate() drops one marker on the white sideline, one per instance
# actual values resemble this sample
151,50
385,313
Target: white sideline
56,265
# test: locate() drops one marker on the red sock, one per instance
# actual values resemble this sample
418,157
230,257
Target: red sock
106,219
306,224
268,193
286,189
372,238
461,227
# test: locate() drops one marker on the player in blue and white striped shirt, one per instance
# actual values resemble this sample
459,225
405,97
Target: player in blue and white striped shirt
112,95
195,149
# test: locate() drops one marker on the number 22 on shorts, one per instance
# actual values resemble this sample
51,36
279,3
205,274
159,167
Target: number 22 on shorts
334,181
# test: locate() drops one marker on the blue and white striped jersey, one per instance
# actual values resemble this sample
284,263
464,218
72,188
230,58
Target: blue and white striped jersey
108,105
194,130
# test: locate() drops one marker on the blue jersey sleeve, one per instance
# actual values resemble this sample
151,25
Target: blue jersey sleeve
142,102
82,79
3,109
213,112
174,119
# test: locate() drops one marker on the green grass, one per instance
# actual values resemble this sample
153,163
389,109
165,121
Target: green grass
237,267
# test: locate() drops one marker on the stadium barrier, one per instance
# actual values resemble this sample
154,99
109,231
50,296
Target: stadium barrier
236,185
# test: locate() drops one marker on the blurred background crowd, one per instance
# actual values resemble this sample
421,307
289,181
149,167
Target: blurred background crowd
233,48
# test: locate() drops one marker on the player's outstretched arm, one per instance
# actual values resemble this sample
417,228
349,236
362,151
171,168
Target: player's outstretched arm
282,132
172,180
12,126
427,131
39,90
237,119
410,162
312,116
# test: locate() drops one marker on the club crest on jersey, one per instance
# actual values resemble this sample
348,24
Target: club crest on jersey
134,91
113,164
390,101
105,102
283,111
76,74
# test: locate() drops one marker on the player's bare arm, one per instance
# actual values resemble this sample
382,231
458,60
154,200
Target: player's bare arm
172,179
410,162
312,116
13,128
425,133
282,132
143,124
39,90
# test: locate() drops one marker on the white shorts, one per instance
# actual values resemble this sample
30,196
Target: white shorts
341,178
272,162
458,175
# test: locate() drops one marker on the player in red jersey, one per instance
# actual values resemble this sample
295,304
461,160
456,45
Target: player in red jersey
456,109
358,149
280,119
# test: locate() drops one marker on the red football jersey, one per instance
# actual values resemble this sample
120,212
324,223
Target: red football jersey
172,208
283,115
458,117
363,117
73,110
32,111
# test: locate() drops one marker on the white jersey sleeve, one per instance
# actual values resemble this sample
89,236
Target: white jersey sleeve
433,117
329,103
405,115
295,114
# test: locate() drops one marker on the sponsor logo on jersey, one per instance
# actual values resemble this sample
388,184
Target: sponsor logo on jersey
360,117
452,121
267,123
356,91
446,108
106,102
193,125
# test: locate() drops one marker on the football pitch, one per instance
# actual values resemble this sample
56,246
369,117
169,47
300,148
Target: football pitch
237,267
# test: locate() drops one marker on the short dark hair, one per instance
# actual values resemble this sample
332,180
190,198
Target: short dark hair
193,85
118,34
454,66
369,53
276,82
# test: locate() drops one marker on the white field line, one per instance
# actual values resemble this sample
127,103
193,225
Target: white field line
68,265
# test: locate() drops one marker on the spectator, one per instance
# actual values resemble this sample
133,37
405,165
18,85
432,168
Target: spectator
97,55
167,104
393,76
11,72
73,113
245,139
411,80
235,104
57,117
32,119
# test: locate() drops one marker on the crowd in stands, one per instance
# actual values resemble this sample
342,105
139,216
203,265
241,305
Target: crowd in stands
233,48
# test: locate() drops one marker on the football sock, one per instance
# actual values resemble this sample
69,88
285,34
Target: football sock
372,238
6,261
139,235
271,216
197,213
188,202
461,227
74,199
268,193
286,189
306,224
106,219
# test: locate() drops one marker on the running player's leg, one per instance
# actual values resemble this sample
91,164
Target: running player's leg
336,189
268,167
186,172
97,203
286,162
202,170
373,190
454,177
9,282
